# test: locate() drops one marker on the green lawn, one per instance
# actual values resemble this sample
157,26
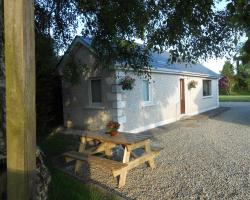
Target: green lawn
62,185
235,98
67,188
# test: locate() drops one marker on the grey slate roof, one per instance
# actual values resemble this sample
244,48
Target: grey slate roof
160,62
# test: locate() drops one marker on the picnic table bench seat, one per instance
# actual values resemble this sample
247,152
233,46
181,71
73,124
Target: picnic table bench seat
115,166
93,142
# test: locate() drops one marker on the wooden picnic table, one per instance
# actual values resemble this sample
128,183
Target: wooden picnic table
105,143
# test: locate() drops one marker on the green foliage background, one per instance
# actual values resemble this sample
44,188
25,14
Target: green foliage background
48,87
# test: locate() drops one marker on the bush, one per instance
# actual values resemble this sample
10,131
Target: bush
48,87
224,87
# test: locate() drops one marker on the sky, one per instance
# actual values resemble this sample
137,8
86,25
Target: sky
216,64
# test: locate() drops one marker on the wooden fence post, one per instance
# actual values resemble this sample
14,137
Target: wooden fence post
20,98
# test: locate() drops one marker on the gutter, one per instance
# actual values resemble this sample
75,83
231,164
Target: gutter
177,72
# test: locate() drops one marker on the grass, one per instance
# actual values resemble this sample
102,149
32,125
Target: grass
234,98
240,92
57,144
67,188
63,186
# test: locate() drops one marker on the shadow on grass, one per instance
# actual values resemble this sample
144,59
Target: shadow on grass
63,185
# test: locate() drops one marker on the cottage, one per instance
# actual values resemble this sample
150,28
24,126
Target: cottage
175,90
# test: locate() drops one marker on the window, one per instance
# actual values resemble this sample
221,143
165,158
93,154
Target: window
145,88
207,88
96,91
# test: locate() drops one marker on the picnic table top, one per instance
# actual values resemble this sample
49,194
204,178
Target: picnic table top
122,138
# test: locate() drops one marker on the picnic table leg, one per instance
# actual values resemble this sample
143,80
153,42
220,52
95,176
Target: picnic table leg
126,156
81,150
108,149
122,179
151,161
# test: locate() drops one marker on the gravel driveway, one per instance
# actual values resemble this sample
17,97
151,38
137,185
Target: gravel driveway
203,158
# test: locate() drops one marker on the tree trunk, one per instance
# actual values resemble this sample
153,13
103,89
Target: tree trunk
2,74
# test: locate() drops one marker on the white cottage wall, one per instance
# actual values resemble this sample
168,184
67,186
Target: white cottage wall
164,107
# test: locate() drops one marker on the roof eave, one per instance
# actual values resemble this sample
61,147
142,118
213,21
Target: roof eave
179,72
176,72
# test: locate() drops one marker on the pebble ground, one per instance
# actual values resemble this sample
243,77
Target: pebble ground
203,158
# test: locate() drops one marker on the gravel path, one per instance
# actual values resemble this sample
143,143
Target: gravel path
202,159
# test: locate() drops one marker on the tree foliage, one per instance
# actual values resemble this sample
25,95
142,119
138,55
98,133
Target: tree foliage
239,12
224,86
242,78
235,78
190,29
227,82
48,86
228,70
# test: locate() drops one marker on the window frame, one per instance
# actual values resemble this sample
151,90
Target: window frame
209,88
150,97
91,103
148,92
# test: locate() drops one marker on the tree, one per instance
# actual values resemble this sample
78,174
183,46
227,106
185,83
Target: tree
224,85
243,67
228,73
48,87
242,78
239,14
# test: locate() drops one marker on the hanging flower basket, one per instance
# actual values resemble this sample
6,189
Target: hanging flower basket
127,83
192,84
112,128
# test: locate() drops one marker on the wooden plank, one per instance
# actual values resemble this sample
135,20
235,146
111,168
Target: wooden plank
122,138
108,149
138,144
98,149
126,155
104,163
138,161
122,179
123,175
151,161
81,150
20,98
103,147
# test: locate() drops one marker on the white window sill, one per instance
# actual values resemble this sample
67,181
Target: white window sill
147,104
207,97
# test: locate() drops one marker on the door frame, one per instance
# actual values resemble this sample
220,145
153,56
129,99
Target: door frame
182,96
